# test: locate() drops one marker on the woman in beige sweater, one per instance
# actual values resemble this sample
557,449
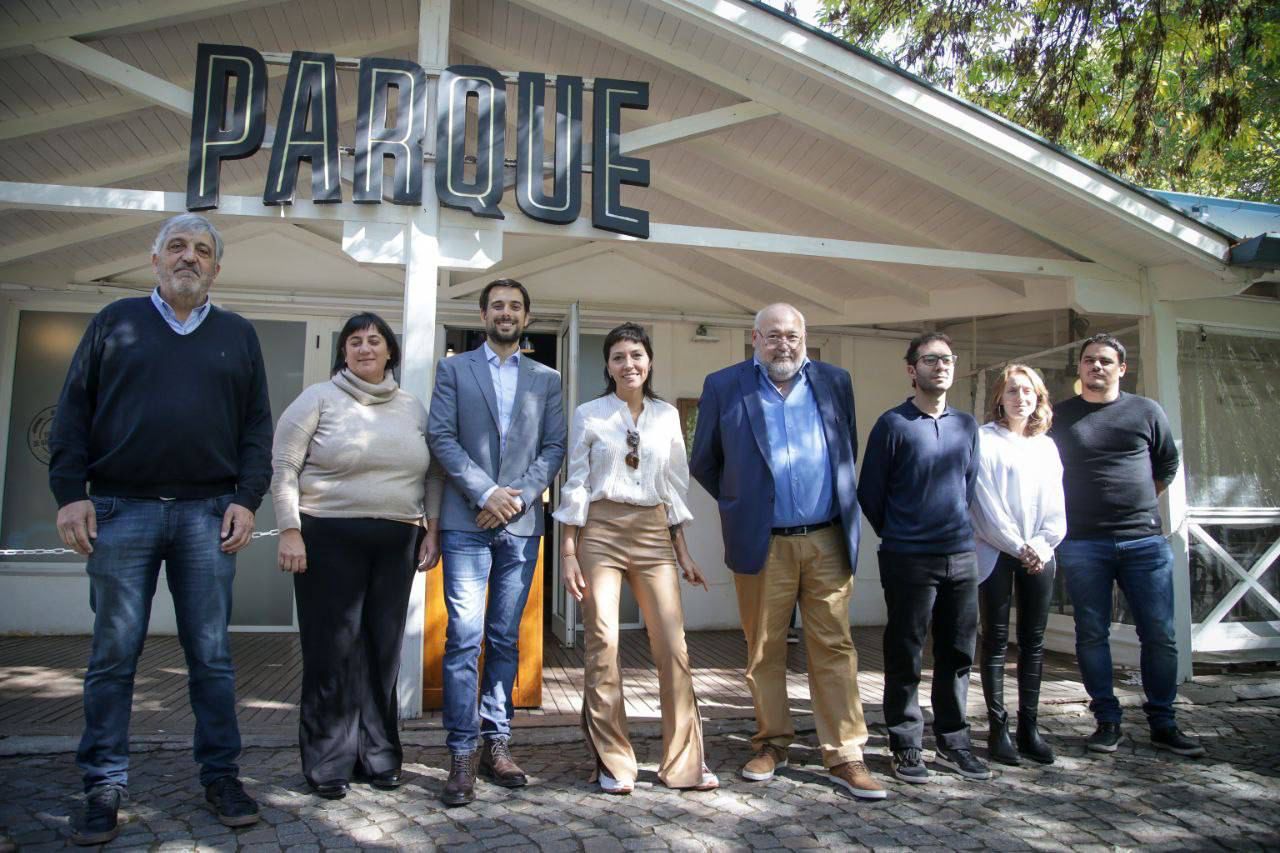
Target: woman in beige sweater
350,462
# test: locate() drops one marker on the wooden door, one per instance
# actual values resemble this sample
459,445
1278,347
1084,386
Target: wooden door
527,690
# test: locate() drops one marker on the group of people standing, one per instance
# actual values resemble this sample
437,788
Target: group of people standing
162,451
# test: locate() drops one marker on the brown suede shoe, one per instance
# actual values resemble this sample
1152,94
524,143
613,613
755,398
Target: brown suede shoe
760,768
496,764
460,787
854,777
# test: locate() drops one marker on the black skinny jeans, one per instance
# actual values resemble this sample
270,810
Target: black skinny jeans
1010,581
352,604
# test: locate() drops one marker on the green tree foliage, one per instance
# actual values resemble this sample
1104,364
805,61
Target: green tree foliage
1181,95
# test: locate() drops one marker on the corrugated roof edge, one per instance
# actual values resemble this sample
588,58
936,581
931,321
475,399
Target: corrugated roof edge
1014,126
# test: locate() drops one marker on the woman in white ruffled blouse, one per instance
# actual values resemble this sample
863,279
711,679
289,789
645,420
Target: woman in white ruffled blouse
622,512
1019,516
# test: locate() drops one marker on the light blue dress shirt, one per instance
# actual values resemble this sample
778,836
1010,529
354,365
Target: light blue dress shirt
798,459
194,319
505,375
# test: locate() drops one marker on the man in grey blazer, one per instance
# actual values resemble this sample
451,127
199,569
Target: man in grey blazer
497,429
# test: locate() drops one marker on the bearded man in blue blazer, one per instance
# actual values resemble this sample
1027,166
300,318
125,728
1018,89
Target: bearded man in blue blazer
497,429
775,446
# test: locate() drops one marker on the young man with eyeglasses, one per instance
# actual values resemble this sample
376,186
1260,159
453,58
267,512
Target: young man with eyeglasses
1118,455
917,482
775,446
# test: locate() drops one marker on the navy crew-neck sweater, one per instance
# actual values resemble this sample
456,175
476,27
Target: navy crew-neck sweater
917,480
146,412
1111,455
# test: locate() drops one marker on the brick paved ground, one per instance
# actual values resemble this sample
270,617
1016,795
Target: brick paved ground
1135,799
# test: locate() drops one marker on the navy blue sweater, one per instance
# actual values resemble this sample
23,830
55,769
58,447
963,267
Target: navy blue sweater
146,412
917,480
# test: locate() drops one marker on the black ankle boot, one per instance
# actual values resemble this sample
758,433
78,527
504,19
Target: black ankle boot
999,747
1030,743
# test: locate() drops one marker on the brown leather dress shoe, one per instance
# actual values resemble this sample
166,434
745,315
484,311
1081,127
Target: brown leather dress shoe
496,764
460,787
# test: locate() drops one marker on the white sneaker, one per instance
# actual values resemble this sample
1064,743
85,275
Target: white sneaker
610,785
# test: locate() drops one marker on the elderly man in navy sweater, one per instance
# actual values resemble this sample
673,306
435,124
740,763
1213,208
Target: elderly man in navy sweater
916,486
161,451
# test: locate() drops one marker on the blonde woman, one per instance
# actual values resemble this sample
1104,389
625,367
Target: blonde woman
623,511
1019,516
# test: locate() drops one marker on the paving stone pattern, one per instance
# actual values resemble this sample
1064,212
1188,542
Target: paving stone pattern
1135,799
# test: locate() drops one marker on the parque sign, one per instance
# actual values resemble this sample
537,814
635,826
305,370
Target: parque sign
229,122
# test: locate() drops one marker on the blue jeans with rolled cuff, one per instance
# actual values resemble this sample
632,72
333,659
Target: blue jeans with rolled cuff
134,537
1143,568
487,575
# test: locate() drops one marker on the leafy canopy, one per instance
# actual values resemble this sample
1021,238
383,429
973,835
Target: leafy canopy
1181,95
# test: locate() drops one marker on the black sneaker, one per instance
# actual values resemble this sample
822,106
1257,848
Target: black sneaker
962,761
101,819
233,806
1105,738
1175,741
908,765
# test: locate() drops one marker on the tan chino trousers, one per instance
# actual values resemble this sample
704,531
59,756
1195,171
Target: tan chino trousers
814,570
621,543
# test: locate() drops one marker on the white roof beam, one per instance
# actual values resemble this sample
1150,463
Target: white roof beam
124,19
698,281
601,26
123,76
894,285
123,201
532,267
691,127
70,237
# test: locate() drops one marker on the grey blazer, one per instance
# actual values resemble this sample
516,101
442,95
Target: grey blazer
462,432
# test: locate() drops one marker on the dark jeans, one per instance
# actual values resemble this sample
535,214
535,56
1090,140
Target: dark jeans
134,537
920,589
352,604
487,574
1010,579
1144,570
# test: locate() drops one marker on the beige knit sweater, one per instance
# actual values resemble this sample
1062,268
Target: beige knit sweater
347,448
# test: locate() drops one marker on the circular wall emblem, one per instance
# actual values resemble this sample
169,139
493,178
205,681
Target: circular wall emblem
38,434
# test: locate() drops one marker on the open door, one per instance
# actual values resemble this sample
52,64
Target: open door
564,610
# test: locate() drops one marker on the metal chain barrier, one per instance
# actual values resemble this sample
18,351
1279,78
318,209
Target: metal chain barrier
45,552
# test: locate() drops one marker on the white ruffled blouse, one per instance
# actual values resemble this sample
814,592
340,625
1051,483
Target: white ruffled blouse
597,460
1018,497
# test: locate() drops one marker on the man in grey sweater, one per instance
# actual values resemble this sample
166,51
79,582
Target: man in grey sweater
497,429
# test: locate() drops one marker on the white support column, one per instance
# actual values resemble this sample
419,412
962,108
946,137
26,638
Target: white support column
421,283
1158,337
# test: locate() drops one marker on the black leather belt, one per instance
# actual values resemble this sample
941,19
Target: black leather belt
802,529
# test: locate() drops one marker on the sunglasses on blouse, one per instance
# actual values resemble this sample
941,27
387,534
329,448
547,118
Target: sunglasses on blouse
633,451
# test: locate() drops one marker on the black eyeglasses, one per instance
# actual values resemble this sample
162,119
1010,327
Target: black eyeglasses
633,455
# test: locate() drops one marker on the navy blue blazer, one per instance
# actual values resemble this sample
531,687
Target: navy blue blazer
730,458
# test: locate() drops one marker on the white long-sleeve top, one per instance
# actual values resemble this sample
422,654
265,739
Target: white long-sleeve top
597,460
1018,498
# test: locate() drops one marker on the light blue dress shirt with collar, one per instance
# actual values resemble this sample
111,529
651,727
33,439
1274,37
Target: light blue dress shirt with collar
798,458
505,374
194,319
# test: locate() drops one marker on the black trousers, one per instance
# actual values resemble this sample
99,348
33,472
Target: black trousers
923,590
352,603
1010,581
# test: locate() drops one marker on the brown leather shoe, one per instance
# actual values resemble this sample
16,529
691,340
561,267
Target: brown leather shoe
496,764
460,787
760,768
854,777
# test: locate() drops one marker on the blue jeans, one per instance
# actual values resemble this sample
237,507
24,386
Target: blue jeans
134,536
499,565
1144,570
